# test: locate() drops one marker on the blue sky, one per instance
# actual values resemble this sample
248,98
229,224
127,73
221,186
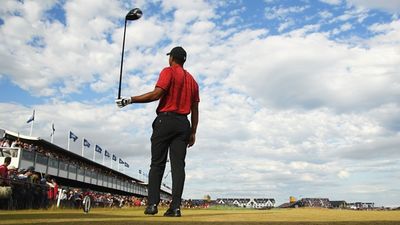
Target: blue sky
298,98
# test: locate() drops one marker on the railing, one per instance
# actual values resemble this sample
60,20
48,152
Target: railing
7,151
21,194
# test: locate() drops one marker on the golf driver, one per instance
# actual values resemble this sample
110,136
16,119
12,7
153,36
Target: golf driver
134,14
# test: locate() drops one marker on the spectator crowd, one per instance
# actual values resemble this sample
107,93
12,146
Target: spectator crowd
25,189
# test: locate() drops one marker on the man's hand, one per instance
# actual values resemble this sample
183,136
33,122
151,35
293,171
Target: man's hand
192,139
121,102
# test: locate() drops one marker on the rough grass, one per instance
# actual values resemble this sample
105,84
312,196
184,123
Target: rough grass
202,217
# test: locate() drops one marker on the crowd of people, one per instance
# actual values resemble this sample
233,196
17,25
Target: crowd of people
25,189
73,197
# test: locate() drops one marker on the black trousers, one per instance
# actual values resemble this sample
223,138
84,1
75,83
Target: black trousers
170,132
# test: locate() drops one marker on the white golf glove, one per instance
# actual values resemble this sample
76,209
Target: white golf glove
121,102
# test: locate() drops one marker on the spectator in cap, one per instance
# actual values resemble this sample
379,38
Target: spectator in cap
12,172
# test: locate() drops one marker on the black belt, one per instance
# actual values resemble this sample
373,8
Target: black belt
170,114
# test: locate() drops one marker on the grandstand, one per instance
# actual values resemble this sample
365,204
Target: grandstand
70,170
339,204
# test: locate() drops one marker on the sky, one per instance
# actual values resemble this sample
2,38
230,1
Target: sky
297,98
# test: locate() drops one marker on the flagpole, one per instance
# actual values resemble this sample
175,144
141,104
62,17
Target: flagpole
94,153
32,119
52,131
69,137
30,134
118,164
103,156
83,145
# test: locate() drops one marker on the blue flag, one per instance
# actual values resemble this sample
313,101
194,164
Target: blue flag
86,143
32,118
140,171
114,158
120,161
73,136
126,165
106,153
98,149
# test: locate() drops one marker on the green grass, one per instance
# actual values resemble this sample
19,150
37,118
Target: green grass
202,217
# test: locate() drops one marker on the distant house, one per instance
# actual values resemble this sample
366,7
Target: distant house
315,202
241,202
308,202
247,202
361,205
263,203
225,201
338,204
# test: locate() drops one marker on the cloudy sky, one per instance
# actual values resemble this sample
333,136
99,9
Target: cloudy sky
298,98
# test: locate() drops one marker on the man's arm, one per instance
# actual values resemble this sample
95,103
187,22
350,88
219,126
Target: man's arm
151,96
194,122
154,95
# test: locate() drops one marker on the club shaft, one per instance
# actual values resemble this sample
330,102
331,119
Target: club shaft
122,63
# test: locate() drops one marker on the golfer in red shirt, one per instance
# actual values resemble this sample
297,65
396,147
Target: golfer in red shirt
178,93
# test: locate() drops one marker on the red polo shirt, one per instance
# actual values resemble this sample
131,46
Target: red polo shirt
181,90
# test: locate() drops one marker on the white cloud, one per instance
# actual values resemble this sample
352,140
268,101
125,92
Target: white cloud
381,147
368,189
325,14
343,174
285,25
312,71
387,5
283,12
388,36
345,27
332,2
65,54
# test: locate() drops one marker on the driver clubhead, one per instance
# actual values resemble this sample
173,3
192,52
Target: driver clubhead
134,14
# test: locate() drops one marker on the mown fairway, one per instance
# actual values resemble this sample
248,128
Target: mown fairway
201,216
